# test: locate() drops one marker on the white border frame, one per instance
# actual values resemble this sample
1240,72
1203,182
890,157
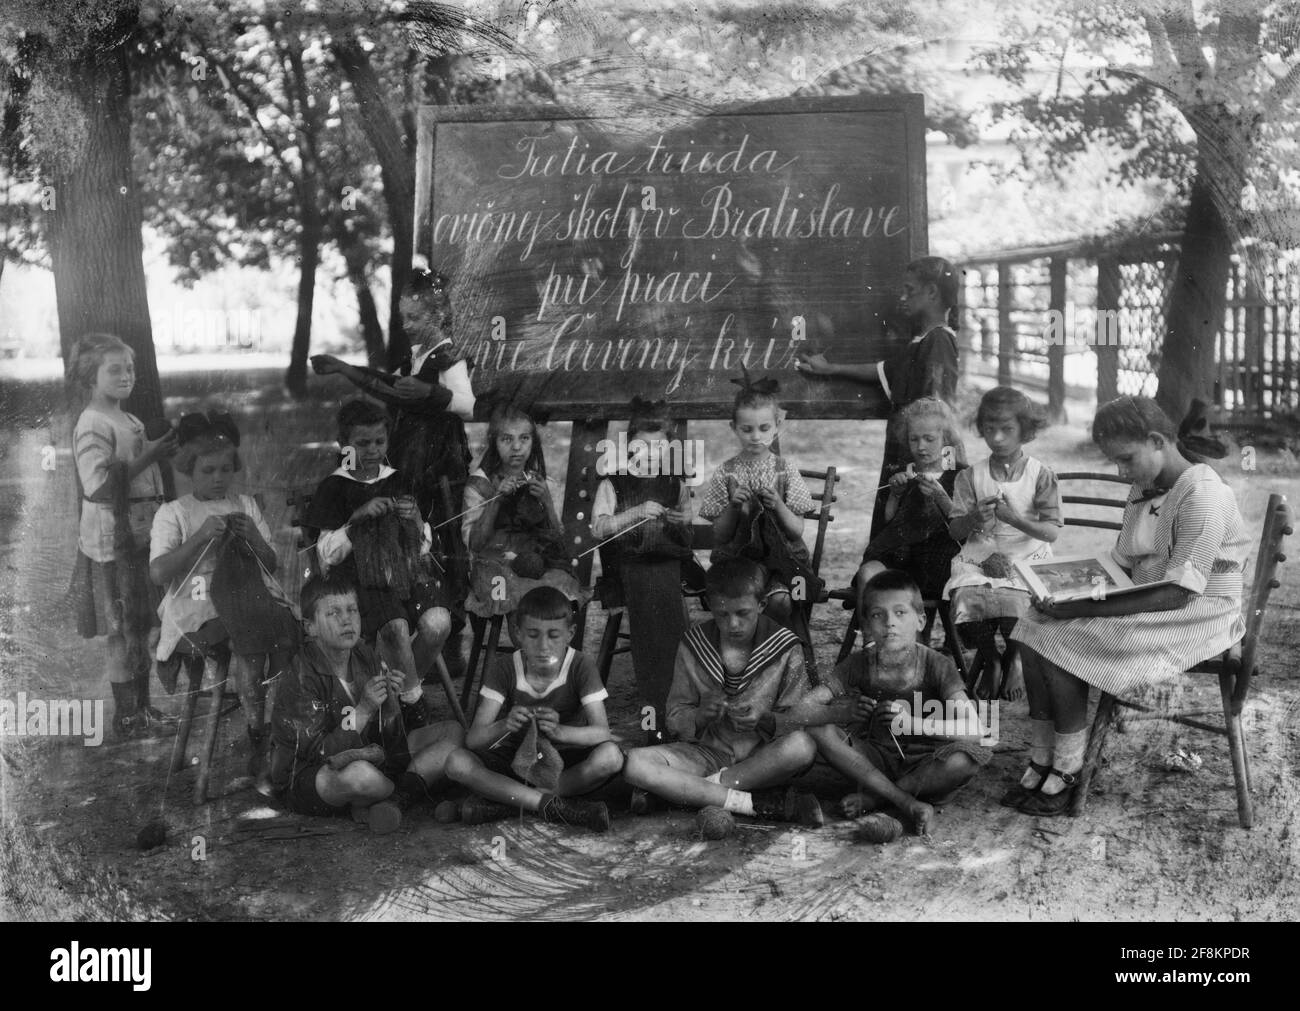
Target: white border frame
1103,558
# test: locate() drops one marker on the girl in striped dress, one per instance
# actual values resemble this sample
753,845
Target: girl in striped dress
1182,530
121,487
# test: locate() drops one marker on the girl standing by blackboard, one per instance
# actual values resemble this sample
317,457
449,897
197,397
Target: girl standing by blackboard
926,367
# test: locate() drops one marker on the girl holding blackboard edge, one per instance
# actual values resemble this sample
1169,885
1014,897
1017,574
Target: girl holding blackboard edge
925,367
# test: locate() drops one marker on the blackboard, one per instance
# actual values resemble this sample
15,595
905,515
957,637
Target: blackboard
594,258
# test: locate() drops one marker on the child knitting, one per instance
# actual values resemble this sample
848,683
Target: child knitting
925,367
1181,533
120,487
733,673
430,398
1004,510
540,735
757,501
371,531
643,523
867,725
210,550
915,535
349,736
510,524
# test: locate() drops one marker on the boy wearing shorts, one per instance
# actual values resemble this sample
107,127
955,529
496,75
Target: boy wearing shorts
547,693
346,737
733,674
868,725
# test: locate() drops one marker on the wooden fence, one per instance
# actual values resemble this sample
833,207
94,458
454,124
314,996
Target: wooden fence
1057,316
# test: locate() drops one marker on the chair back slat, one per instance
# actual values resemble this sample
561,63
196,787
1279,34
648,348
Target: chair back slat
1277,526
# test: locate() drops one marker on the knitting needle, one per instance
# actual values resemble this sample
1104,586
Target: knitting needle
619,534
469,510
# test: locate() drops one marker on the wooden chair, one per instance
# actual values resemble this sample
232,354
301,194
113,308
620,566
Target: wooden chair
614,640
1234,669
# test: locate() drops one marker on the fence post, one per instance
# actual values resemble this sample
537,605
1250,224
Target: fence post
1108,287
1056,349
1006,336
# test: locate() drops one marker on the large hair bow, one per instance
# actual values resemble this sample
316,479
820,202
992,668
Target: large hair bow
766,386
218,423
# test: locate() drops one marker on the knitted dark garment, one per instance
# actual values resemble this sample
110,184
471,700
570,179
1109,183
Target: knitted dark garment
238,591
387,553
536,761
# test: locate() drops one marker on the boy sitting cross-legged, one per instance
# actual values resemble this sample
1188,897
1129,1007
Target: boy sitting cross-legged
732,673
344,734
865,722
549,694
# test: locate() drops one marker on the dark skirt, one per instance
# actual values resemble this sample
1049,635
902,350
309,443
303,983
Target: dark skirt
379,607
114,598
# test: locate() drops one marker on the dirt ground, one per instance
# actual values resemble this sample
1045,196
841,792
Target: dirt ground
1156,843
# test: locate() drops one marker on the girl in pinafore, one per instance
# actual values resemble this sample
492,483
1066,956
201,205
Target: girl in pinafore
1004,510
1181,533
643,521
120,486
510,524
914,535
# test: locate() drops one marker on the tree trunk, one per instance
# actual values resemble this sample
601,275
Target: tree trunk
95,241
1198,298
308,260
396,155
368,314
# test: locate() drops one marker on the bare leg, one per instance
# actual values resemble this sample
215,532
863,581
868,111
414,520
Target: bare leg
431,635
772,764
784,758
466,768
605,762
648,769
938,779
359,784
833,743
394,644
430,748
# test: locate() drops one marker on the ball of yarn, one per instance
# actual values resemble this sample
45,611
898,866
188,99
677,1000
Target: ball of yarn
446,812
528,565
715,823
997,566
152,835
879,828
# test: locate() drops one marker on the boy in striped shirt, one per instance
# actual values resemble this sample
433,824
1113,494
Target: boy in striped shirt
733,673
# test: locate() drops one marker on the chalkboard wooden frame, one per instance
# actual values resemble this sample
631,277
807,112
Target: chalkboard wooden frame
803,397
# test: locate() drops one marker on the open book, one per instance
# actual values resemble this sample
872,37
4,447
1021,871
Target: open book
1079,577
